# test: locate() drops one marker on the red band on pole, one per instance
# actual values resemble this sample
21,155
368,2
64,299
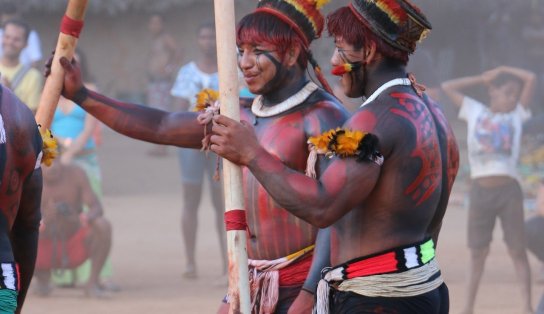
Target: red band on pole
236,220
71,27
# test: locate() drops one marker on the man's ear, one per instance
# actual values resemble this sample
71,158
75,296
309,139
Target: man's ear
292,55
371,53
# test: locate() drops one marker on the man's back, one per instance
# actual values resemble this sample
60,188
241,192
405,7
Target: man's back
20,192
20,144
421,161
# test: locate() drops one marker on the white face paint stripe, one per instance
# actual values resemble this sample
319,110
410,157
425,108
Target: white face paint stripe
9,276
410,254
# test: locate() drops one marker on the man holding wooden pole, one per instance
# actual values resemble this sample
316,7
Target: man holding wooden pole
286,254
393,165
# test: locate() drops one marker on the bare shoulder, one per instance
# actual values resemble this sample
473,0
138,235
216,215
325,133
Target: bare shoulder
326,108
19,123
397,117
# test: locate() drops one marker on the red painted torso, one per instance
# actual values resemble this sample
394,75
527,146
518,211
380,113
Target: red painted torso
275,232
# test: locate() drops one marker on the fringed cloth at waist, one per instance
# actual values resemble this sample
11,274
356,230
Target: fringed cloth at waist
266,277
402,272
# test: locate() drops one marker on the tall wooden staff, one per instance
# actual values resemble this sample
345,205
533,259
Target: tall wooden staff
239,295
70,28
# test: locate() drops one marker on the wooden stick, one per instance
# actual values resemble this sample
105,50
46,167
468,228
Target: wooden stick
240,301
66,45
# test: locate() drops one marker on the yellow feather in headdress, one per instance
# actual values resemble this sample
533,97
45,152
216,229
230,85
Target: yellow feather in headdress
321,3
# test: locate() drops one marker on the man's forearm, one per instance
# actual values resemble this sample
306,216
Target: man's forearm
300,195
144,123
523,74
322,259
460,84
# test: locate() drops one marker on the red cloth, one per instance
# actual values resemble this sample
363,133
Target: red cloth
75,250
380,264
296,273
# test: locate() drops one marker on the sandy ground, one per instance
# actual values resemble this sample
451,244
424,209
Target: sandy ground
142,200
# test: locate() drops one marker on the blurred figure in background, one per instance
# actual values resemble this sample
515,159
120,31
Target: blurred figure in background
30,55
163,60
76,132
68,235
494,136
25,81
191,79
534,228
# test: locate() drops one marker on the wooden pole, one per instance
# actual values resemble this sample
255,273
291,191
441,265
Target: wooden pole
66,45
230,106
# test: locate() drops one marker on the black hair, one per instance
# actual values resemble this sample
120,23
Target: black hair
504,78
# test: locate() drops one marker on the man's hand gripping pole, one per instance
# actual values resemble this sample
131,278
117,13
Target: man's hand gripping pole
70,29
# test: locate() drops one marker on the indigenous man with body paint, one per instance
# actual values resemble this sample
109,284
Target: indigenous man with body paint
274,52
20,195
393,166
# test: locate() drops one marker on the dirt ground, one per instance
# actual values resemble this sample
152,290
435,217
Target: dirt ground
142,200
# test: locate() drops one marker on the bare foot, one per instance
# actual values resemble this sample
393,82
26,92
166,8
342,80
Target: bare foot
96,292
190,272
43,290
110,286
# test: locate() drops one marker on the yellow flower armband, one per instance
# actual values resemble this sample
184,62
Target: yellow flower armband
343,143
49,146
205,98
208,106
